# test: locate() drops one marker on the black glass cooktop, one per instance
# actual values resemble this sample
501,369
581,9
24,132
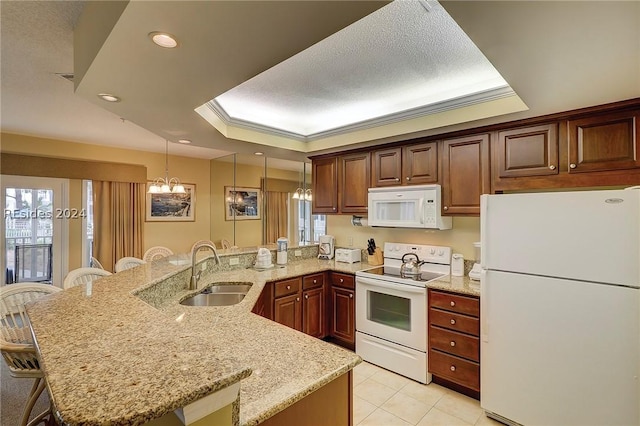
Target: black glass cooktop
392,272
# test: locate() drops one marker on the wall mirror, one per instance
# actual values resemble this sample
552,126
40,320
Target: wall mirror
255,200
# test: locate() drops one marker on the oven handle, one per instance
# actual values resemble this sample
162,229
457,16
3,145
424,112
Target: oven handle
407,288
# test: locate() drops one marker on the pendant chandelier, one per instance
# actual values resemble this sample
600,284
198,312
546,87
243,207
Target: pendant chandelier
301,194
165,185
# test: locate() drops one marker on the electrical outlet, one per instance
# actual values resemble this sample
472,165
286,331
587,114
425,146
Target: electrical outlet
298,252
350,241
234,261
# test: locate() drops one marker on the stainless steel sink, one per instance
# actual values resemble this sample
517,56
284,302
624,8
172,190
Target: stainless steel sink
219,295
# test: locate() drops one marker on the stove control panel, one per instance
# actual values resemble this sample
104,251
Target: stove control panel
427,253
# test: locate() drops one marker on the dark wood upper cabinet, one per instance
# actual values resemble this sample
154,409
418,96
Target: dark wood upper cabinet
325,185
387,167
420,163
408,165
527,151
354,177
465,174
604,142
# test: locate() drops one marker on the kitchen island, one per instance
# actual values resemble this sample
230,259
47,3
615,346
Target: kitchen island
130,352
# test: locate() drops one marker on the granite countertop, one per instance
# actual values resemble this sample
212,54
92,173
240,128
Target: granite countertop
130,352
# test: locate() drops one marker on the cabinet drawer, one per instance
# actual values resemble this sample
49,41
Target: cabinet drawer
454,302
286,287
311,281
455,343
343,280
458,370
454,321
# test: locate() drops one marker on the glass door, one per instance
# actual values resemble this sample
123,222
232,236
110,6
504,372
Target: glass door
35,229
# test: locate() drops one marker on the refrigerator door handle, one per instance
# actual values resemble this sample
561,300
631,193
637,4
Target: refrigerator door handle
484,307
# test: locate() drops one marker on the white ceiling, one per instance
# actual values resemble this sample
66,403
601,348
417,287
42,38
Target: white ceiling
555,55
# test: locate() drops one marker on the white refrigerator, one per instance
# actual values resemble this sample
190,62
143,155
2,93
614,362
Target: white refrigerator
560,307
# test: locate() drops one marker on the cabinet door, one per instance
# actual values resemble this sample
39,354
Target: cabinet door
529,151
264,303
288,311
343,314
387,167
325,185
420,163
465,174
604,142
354,181
313,312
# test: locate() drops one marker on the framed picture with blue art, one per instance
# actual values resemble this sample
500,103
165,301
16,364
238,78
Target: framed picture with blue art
172,207
242,203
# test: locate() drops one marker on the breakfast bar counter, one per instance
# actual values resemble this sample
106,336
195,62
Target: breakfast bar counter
129,352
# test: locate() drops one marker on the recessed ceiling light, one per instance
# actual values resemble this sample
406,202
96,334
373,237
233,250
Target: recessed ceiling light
108,97
184,141
259,153
164,39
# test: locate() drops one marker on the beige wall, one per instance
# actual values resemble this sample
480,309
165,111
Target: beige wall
460,237
177,236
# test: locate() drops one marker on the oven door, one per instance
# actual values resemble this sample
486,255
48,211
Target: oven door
392,311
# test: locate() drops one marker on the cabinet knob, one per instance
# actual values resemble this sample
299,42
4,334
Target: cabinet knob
452,368
341,280
350,295
408,178
445,208
306,296
288,287
397,179
314,281
453,303
452,343
297,299
334,209
552,167
453,322
572,166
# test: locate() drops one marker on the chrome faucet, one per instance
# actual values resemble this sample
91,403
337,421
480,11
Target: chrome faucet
195,275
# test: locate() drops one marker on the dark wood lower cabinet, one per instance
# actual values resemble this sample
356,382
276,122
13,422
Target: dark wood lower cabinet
321,305
314,312
288,311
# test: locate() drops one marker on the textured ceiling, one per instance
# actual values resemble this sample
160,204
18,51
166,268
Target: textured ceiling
403,56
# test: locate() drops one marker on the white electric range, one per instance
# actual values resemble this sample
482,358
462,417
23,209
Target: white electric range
391,310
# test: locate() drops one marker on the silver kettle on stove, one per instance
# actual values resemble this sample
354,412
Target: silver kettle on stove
410,268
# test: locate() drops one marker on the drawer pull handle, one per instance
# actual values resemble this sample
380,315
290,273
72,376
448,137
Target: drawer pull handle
452,368
453,322
452,343
453,303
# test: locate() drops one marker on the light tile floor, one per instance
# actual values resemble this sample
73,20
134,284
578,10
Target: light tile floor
383,398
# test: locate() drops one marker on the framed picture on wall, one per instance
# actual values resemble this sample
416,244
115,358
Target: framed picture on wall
172,207
242,203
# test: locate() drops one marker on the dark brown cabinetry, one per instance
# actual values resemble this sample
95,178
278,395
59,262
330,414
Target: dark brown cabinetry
465,174
409,165
353,188
454,341
325,185
342,324
300,303
527,151
604,142
314,306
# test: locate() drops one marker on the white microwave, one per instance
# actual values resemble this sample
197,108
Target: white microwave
417,206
